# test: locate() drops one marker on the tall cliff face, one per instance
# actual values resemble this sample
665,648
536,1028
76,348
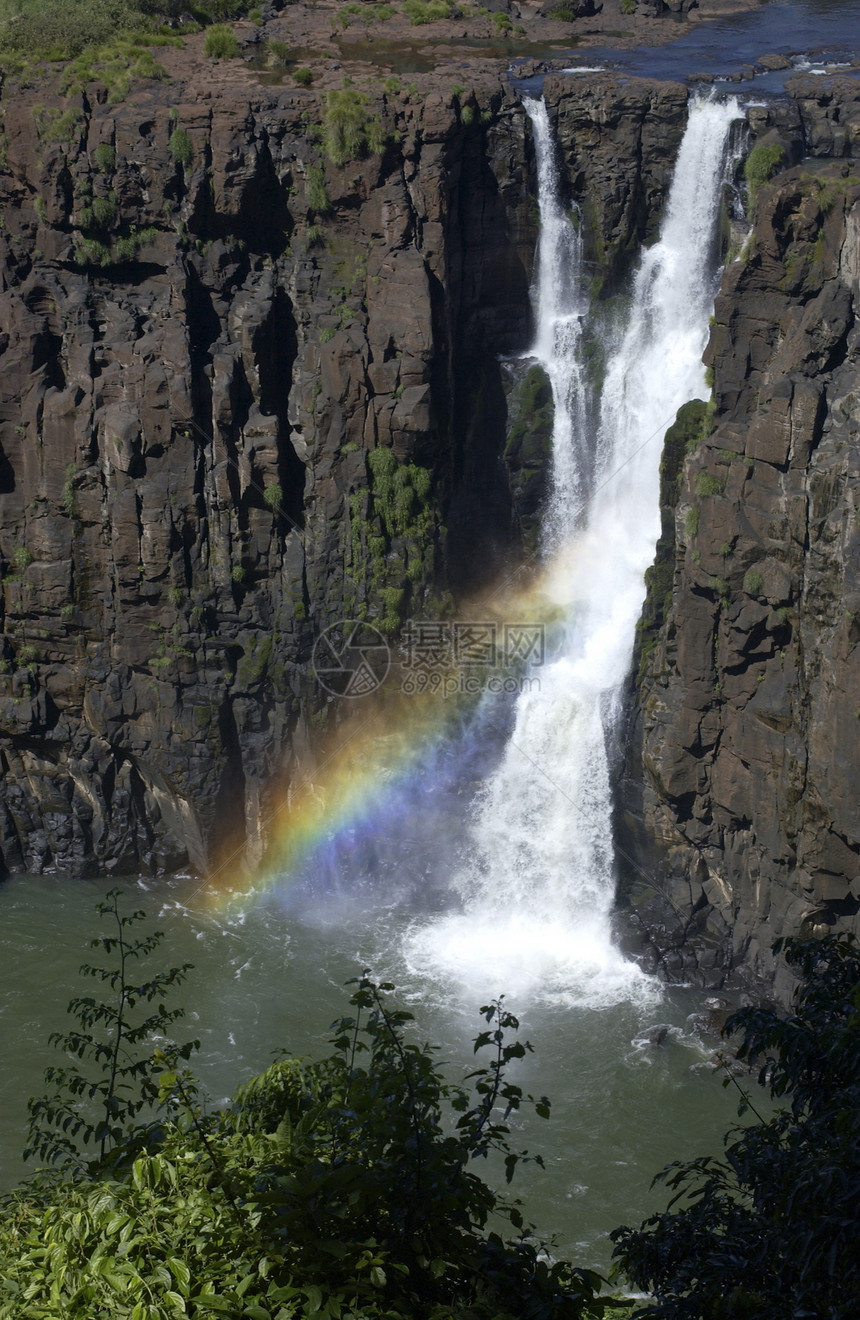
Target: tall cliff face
207,327
743,784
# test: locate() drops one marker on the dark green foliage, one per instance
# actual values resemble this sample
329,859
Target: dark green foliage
400,490
708,484
33,30
760,165
44,29
420,12
91,250
349,132
531,409
277,54
318,198
180,148
104,157
112,1036
770,1231
103,211
394,513
220,43
344,1188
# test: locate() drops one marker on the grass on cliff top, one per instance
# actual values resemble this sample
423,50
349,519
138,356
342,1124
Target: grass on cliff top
47,30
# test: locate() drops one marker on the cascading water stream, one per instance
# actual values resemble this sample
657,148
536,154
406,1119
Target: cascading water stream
562,308
538,886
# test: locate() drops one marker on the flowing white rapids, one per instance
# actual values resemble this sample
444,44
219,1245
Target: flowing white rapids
562,307
538,889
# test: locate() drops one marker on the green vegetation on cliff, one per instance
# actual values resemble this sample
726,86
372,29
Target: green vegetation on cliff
393,514
349,131
761,164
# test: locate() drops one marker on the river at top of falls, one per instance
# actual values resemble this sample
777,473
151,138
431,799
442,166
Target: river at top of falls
538,884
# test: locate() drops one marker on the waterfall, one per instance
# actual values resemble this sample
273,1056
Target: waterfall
562,308
538,886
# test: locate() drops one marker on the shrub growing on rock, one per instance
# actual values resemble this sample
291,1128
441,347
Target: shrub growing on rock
179,146
220,42
760,165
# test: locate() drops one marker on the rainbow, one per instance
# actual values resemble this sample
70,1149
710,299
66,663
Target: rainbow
384,749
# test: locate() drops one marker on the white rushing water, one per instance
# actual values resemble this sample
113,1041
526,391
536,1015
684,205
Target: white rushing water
538,888
562,307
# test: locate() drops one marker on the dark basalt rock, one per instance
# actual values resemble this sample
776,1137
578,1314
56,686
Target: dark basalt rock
201,342
749,686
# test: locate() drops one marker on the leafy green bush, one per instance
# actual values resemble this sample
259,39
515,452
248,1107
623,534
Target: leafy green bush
303,77
179,147
53,125
126,247
273,497
760,165
342,1188
220,43
104,211
104,157
346,13
770,1231
753,582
